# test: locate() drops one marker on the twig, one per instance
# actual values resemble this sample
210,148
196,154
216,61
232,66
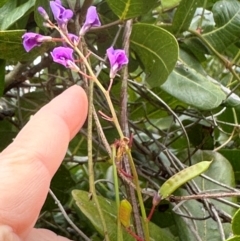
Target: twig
204,196
66,216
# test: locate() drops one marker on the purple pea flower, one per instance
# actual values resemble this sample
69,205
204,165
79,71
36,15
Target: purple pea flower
31,40
61,15
64,56
92,20
117,59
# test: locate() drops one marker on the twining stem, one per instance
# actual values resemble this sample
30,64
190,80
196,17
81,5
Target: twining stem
116,122
120,132
139,194
116,188
137,222
92,189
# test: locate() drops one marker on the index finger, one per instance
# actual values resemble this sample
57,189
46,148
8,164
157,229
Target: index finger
28,164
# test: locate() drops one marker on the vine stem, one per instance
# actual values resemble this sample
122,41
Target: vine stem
92,189
120,132
116,189
139,194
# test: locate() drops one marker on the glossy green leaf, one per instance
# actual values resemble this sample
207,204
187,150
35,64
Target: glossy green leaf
184,14
207,229
126,9
11,13
109,210
158,51
228,17
169,4
193,88
180,178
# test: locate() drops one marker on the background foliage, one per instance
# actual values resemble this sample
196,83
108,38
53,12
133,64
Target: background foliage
183,107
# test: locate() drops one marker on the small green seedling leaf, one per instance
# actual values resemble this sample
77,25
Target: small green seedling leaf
124,213
182,177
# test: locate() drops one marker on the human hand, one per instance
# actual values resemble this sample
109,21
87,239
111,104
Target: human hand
29,163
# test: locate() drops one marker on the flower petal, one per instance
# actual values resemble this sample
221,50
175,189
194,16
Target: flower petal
30,40
117,59
62,55
92,20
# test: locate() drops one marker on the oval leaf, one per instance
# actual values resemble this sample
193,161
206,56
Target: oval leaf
126,9
157,50
228,33
207,228
189,86
109,210
177,180
184,14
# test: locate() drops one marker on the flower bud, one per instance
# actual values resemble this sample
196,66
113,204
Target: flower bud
43,13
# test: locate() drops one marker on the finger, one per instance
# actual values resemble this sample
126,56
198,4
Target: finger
28,164
44,235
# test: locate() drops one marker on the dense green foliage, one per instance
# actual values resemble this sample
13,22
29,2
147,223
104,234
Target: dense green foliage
183,107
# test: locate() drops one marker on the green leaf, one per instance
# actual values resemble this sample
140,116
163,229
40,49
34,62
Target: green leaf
184,14
2,75
3,2
169,4
235,238
236,223
228,32
207,229
157,49
11,47
233,157
109,210
7,131
61,185
193,88
126,9
10,14
189,59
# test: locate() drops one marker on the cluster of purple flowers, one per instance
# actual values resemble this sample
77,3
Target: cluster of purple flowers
64,55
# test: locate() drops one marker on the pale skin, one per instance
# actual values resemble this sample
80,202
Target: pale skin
29,163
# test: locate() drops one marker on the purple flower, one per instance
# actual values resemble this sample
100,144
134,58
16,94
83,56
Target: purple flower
31,40
61,15
117,59
92,20
64,56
